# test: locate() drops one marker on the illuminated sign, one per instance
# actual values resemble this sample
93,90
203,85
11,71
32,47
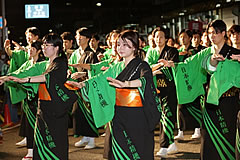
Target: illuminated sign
36,11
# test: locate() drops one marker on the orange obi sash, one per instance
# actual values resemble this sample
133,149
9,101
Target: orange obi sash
70,87
128,98
43,93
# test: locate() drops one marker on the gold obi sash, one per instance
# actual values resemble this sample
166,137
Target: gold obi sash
128,98
43,93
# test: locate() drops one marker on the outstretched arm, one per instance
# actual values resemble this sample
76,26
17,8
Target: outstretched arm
34,79
126,84
79,65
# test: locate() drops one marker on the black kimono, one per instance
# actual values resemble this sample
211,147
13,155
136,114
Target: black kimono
51,129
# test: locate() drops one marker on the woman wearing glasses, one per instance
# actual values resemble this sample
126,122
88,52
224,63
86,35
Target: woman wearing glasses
50,136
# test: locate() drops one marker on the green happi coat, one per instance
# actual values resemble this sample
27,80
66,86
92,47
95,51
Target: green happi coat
219,112
165,85
17,94
51,128
30,103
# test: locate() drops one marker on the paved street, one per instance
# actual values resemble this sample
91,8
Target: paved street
187,149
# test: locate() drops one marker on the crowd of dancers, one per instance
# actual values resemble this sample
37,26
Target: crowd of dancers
128,87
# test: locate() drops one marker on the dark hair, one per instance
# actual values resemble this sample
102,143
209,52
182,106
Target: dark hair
33,30
133,36
57,41
96,37
218,25
196,32
84,32
234,29
67,36
187,31
172,39
159,29
37,44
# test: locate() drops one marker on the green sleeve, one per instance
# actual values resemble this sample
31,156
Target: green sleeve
74,60
31,88
146,48
96,68
101,95
225,77
107,54
152,57
189,77
17,59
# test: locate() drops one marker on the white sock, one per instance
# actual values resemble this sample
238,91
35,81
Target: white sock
30,153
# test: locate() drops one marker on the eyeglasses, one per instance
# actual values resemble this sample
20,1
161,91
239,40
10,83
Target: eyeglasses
46,45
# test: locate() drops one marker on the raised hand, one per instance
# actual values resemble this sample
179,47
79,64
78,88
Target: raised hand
77,75
7,43
166,63
235,57
100,56
17,46
76,84
78,65
218,57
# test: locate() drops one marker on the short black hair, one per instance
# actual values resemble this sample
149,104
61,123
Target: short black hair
84,32
196,32
96,37
33,30
67,36
187,31
159,29
218,25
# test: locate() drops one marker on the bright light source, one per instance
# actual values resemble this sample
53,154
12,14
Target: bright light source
50,30
218,5
184,10
9,32
181,14
228,0
99,4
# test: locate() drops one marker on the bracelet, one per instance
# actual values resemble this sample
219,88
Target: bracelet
29,79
